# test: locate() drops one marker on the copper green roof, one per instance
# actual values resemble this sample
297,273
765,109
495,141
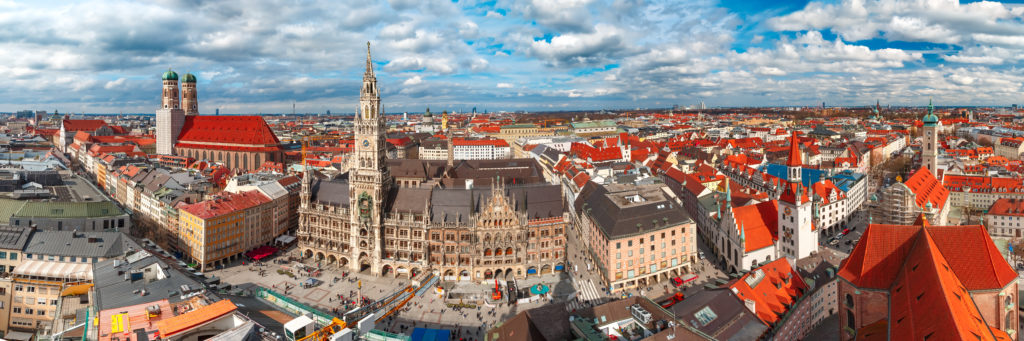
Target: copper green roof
170,76
189,78
930,119
8,208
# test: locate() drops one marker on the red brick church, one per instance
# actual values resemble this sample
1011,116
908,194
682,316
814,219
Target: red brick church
242,143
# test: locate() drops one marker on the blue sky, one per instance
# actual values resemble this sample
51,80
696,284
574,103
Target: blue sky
259,56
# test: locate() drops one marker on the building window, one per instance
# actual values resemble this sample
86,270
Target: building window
849,301
850,320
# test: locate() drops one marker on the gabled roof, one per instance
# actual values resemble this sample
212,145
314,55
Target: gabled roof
235,130
773,287
969,251
928,299
87,125
927,189
760,224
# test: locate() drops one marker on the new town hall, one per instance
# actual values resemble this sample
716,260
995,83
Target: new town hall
463,220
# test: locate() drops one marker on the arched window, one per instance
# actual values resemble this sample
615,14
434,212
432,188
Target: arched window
849,301
850,322
236,160
245,160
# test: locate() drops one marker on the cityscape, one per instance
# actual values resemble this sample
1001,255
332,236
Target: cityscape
590,170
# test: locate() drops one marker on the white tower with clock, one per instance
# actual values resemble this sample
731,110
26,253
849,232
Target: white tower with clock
797,235
369,179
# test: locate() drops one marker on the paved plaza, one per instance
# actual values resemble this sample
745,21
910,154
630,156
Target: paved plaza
428,310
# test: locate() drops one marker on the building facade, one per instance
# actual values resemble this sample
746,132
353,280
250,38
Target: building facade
239,142
638,235
456,226
916,282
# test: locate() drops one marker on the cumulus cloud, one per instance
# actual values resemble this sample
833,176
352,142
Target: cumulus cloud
259,56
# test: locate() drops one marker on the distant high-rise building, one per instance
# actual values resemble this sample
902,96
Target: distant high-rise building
216,112
328,113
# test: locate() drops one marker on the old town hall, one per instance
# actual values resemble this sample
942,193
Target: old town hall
463,220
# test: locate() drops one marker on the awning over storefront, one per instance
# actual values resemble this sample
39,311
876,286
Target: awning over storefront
75,290
261,252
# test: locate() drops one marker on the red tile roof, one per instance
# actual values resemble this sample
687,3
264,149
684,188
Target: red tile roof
760,224
226,203
1007,207
87,125
211,131
928,297
772,287
969,251
927,189
795,158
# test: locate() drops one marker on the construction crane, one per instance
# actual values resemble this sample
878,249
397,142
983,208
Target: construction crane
307,139
324,334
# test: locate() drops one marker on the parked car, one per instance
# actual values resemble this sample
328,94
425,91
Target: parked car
833,242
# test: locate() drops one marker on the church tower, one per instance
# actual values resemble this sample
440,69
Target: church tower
930,141
369,179
797,235
169,118
189,102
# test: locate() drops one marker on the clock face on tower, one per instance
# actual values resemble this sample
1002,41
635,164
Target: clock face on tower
366,143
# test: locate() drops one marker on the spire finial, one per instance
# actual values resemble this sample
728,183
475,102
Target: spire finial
369,64
728,192
931,108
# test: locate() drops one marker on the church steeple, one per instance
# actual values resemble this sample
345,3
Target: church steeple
369,62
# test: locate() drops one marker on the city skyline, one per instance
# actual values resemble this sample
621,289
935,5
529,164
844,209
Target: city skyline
106,57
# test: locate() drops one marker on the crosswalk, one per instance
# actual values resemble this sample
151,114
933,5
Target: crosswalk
586,292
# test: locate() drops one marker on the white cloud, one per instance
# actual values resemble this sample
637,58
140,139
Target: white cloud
505,85
115,83
413,81
580,48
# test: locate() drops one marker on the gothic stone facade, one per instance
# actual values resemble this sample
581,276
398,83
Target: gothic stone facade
364,221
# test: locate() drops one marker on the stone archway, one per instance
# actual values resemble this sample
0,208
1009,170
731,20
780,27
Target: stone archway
559,267
465,275
531,271
546,269
307,254
343,261
401,271
414,272
319,256
508,273
386,270
364,262
331,259
498,273
488,274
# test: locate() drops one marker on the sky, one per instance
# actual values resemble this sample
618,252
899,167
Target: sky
261,56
